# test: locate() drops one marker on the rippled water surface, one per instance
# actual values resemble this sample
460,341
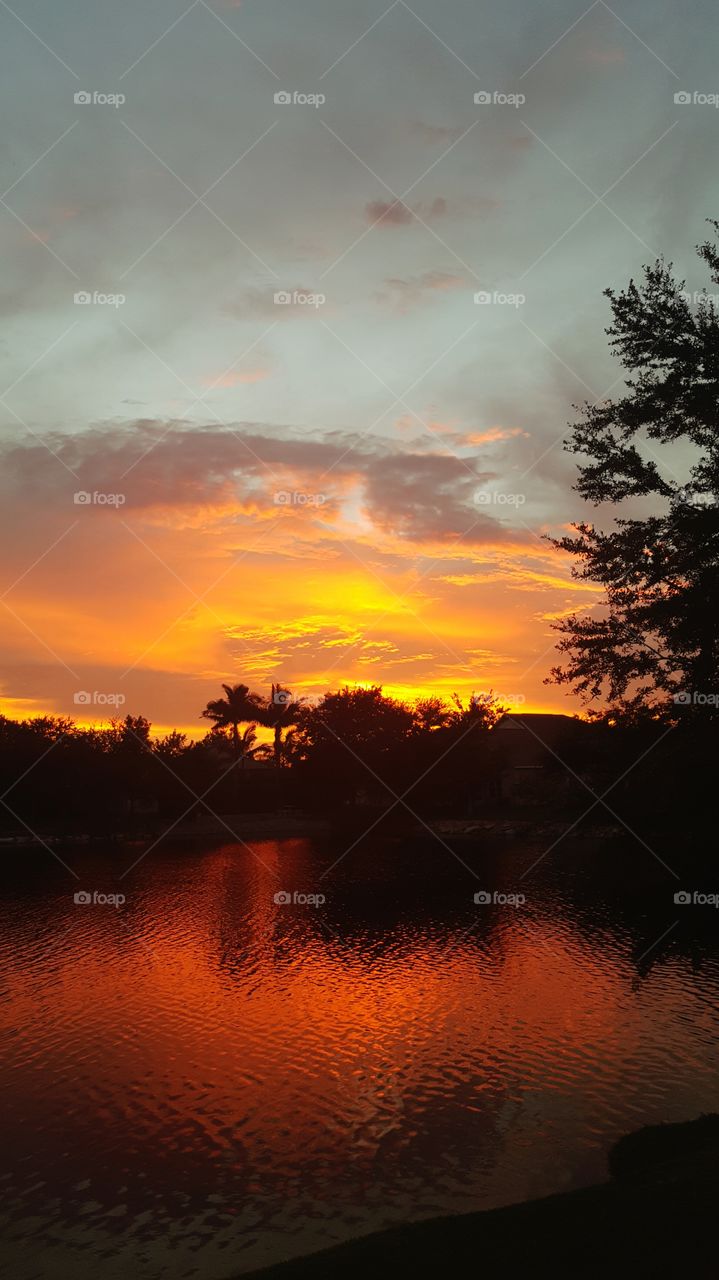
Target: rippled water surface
204,1080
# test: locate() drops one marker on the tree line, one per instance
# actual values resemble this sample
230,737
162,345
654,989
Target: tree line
348,744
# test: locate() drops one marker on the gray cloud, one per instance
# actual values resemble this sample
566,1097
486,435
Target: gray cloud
391,212
425,497
417,494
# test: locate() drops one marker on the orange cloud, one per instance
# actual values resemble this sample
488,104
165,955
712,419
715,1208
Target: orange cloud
493,434
236,377
201,574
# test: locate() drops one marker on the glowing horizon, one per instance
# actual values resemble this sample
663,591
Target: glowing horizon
315,425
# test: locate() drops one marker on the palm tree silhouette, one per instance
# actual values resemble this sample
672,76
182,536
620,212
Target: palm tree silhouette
249,749
238,706
279,713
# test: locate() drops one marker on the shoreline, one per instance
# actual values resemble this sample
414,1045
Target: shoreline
653,1218
291,825
241,828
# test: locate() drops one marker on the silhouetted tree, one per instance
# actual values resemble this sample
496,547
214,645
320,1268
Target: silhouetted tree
352,739
280,712
172,747
656,643
246,748
238,706
430,714
448,758
481,712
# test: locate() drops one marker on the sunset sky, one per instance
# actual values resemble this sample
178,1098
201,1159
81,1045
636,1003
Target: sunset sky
352,486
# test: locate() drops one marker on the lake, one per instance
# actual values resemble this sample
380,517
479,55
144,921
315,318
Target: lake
204,1080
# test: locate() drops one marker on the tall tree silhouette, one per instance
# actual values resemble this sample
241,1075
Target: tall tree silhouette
239,706
281,712
656,642
351,739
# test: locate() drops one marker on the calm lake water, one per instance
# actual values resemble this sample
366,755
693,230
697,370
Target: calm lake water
203,1081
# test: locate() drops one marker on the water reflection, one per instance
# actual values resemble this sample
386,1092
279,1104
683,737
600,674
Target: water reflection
208,1077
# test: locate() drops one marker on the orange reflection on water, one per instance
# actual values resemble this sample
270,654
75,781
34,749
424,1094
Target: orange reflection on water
395,1049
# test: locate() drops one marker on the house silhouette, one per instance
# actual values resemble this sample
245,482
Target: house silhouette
539,757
